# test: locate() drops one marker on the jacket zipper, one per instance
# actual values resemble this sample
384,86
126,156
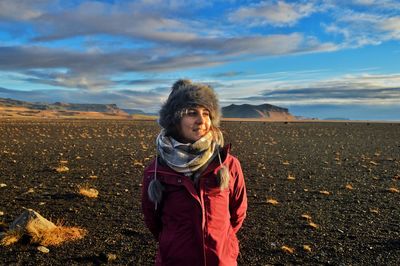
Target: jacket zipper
203,210
203,222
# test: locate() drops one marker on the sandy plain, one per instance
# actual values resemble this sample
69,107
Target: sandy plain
319,193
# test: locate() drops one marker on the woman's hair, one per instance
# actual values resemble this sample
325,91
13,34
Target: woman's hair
185,94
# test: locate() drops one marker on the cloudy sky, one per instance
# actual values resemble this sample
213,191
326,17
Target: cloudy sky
319,58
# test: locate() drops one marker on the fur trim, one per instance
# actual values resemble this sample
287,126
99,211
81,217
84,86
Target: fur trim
223,177
155,191
185,94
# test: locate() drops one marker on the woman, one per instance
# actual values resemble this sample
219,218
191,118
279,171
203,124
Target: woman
194,197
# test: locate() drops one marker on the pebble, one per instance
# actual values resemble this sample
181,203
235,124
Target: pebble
43,249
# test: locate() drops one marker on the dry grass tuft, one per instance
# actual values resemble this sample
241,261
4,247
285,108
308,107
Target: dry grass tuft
53,236
10,238
306,216
272,201
307,248
291,177
40,231
393,190
313,225
287,249
349,187
324,192
374,210
87,191
62,169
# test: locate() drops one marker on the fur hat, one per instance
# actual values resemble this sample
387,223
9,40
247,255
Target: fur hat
185,94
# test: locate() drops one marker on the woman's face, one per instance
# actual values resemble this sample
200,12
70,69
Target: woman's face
195,123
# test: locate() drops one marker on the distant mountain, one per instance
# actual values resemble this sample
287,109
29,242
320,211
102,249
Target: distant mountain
59,106
10,108
133,111
138,112
265,111
336,118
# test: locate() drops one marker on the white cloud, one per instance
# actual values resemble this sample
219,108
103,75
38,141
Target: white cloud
361,89
22,9
359,29
391,26
274,13
380,4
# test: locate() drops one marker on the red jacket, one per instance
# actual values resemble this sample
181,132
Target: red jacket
196,227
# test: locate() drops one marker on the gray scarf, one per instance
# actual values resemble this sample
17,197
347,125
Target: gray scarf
187,158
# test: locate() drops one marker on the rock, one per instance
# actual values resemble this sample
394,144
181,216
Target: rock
30,215
43,249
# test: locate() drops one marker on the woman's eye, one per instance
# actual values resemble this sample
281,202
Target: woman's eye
191,113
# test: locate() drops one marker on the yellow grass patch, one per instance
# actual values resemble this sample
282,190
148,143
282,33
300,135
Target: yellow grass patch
287,249
87,191
313,225
138,164
40,230
61,169
349,187
285,163
10,238
307,248
45,236
374,210
324,192
306,216
272,201
393,190
291,177
53,236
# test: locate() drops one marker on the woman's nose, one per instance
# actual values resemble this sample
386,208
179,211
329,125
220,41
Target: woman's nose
200,119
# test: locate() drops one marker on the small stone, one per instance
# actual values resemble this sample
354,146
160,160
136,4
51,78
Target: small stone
43,249
307,248
3,185
111,257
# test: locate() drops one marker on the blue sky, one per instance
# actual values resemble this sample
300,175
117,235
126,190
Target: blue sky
320,59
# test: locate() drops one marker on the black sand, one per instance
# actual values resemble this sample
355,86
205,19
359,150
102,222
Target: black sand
358,226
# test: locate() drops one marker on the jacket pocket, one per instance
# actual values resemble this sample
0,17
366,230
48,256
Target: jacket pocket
165,240
233,243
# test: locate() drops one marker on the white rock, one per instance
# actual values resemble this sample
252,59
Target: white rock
43,249
28,215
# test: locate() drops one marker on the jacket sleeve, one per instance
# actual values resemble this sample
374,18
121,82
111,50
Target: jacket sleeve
151,215
238,197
